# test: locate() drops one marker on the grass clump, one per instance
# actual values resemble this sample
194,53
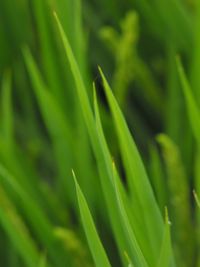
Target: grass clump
136,197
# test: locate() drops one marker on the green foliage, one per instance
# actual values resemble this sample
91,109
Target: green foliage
95,245
50,124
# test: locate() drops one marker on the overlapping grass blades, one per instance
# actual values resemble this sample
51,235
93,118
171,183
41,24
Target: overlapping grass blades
121,199
138,181
103,163
38,215
56,124
139,186
17,231
34,214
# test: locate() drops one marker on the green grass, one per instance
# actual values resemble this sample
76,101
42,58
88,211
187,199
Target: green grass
129,129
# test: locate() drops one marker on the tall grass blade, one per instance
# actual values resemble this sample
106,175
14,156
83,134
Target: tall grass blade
132,214
137,256
97,250
102,159
137,179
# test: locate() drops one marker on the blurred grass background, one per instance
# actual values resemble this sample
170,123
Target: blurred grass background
43,134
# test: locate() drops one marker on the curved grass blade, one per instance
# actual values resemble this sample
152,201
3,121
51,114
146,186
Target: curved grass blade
137,179
132,214
81,90
97,250
102,161
137,256
106,179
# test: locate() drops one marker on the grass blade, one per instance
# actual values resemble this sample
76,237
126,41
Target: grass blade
137,179
131,213
94,242
102,160
137,256
165,257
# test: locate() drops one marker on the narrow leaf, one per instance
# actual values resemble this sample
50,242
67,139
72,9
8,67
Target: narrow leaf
137,180
98,252
165,256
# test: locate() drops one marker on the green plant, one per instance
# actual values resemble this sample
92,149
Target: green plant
136,209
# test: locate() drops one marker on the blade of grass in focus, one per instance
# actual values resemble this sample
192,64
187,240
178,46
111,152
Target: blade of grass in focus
137,178
104,169
95,245
131,244
138,257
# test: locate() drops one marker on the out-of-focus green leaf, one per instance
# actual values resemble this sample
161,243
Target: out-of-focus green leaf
193,111
34,214
7,112
56,123
179,201
17,231
157,176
